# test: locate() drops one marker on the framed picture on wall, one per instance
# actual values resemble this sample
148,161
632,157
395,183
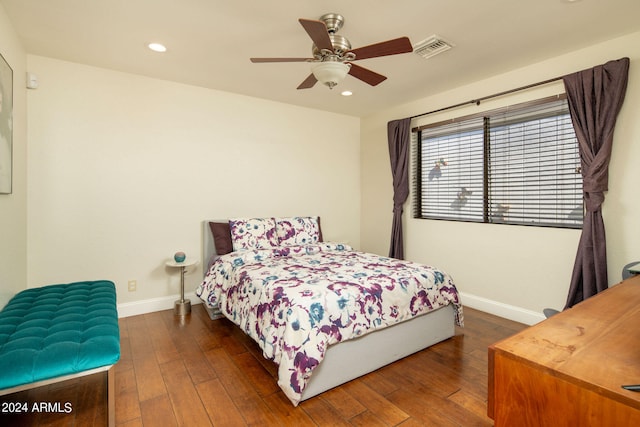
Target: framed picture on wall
6,126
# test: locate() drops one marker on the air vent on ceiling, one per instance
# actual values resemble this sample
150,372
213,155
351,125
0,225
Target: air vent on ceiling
432,46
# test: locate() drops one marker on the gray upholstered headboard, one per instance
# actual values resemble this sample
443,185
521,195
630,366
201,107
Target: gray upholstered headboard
208,246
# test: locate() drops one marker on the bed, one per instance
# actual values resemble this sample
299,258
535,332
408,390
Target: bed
323,312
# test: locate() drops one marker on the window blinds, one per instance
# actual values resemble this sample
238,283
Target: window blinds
518,165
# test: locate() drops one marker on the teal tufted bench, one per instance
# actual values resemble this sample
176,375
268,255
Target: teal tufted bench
58,332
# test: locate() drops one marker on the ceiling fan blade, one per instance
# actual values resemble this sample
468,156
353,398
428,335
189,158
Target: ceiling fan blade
366,75
257,60
390,47
317,30
308,82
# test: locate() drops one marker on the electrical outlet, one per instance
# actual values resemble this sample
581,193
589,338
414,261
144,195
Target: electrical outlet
132,285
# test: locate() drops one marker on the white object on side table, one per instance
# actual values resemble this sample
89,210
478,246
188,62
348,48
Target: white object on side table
182,306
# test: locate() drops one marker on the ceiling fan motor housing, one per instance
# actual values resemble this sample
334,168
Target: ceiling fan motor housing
341,46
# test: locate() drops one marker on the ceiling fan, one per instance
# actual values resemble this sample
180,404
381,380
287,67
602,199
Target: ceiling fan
333,56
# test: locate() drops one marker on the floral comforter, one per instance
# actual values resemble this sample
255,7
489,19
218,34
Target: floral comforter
296,301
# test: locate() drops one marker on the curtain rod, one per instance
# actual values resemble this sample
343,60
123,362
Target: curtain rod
484,98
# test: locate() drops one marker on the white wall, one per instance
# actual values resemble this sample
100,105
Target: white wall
123,169
510,270
13,207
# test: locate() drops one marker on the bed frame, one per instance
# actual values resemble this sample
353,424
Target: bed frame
351,359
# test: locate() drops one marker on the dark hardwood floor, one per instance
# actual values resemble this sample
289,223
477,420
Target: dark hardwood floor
198,372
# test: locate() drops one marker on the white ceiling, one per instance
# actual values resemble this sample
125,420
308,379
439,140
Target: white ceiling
210,41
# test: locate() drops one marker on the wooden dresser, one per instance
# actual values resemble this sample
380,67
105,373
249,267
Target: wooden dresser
568,370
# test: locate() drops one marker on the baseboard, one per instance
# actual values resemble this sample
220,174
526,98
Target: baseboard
154,304
511,312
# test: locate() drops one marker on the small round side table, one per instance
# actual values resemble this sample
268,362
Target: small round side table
182,306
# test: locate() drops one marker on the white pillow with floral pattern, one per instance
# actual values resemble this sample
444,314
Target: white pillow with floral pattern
298,230
253,233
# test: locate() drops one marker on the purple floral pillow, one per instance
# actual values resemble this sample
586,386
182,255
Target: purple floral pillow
253,233
299,230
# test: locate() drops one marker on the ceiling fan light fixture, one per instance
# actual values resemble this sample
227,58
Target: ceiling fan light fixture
330,73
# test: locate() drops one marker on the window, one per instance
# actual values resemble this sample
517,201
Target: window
517,165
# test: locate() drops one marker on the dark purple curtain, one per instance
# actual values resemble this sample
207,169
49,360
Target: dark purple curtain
398,135
595,97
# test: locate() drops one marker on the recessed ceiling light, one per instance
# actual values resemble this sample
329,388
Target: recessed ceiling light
346,93
157,47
